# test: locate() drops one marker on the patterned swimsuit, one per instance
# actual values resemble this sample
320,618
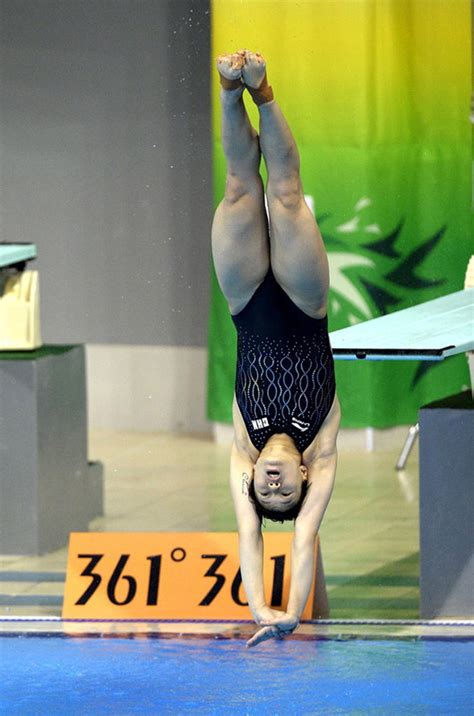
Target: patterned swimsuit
285,379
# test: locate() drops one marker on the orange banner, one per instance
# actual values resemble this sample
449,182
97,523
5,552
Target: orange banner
170,575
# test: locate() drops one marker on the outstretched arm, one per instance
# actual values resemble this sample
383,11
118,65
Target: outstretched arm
250,545
321,475
250,533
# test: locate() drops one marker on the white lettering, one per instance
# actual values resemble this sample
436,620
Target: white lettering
260,423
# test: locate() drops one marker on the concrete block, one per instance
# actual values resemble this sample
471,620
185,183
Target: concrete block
47,486
447,508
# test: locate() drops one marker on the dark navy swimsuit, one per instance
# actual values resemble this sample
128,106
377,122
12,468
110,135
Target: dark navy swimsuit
285,371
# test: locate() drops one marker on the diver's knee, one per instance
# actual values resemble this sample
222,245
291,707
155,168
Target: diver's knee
243,189
286,192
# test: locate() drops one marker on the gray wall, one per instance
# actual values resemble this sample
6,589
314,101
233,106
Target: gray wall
105,149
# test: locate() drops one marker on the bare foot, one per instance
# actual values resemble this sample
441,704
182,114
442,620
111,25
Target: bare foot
254,75
254,69
230,69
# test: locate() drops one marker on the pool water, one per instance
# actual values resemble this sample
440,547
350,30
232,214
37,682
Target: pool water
68,676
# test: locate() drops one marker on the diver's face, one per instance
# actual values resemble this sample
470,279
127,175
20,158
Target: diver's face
278,478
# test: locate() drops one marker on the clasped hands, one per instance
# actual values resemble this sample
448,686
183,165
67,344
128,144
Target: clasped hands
275,625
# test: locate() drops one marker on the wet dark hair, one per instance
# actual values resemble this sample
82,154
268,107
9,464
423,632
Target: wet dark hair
275,515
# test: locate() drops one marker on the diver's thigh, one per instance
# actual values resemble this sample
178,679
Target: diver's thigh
240,246
298,256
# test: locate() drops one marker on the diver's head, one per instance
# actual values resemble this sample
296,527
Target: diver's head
279,480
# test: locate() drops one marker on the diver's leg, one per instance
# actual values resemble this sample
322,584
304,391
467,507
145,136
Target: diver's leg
239,229
298,256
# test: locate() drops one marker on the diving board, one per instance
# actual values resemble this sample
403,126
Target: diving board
432,331
12,254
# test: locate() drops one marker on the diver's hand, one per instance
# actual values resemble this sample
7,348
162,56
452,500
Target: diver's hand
284,621
263,635
266,614
276,625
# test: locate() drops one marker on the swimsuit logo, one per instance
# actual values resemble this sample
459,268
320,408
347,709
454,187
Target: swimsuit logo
259,424
300,424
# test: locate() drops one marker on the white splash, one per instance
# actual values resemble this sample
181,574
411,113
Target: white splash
362,203
353,320
373,229
310,202
350,226
339,262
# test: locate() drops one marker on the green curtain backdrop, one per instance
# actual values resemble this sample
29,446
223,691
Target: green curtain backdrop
378,95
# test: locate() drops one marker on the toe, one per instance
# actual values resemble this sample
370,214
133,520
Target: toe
223,61
252,56
237,61
230,66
